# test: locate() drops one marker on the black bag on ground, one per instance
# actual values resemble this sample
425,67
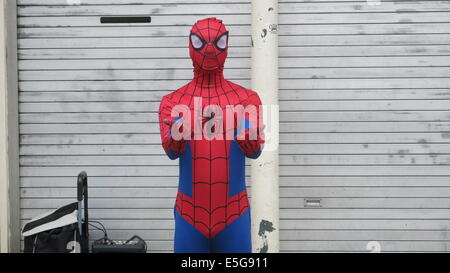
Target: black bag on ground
54,232
63,230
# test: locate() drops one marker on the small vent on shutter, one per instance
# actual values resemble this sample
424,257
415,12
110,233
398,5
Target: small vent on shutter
313,203
125,20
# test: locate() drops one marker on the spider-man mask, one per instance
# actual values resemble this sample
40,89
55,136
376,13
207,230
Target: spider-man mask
208,44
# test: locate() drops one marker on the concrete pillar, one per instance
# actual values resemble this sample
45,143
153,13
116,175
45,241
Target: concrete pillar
265,173
4,203
9,130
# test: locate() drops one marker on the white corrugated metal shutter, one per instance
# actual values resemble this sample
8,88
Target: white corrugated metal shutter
365,115
365,125
89,95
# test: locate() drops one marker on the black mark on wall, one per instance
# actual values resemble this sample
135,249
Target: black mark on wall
264,33
264,228
125,20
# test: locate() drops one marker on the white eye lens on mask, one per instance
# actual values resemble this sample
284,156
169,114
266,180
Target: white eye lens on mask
222,41
197,43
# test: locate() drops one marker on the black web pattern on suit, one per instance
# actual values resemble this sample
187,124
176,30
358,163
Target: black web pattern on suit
211,211
217,84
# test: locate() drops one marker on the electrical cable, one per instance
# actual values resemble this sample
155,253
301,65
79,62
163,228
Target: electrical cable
101,229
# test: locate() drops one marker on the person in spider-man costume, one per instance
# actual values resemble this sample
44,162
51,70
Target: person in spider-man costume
212,212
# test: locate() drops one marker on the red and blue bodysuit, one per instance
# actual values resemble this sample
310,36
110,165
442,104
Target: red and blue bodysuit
212,212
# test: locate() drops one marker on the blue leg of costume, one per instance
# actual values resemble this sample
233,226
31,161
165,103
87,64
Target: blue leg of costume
236,238
188,239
